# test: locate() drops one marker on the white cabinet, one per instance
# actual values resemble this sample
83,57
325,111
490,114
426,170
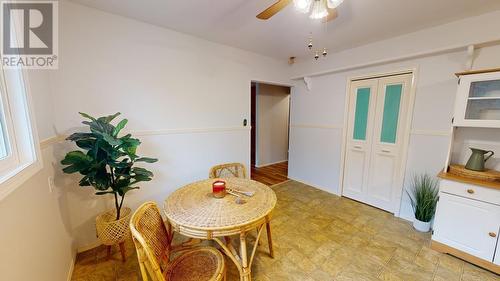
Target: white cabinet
468,225
478,101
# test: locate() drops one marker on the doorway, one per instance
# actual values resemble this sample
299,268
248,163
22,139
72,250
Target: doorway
270,123
378,125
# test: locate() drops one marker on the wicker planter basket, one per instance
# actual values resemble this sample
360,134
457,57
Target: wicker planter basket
111,231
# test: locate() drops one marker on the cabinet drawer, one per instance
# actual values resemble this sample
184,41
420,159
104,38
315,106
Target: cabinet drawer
480,193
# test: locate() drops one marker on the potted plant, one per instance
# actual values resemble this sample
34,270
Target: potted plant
107,162
423,195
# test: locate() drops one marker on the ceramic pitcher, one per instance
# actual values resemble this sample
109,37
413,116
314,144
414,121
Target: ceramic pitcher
477,159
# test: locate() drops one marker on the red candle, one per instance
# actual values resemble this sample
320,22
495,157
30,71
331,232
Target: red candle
219,188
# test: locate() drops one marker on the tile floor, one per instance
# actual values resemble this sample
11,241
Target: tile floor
319,236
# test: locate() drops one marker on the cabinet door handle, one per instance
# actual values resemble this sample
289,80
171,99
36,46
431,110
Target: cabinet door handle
493,234
358,146
386,150
470,191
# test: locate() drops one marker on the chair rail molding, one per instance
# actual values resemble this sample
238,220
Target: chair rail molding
61,137
317,126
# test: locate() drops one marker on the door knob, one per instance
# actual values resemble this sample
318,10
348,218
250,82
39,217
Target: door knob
470,191
493,234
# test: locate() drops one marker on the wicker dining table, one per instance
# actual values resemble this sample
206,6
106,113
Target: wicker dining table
194,212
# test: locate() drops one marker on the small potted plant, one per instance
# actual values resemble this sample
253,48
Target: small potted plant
108,163
423,195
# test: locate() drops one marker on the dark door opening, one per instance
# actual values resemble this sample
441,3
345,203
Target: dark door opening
270,118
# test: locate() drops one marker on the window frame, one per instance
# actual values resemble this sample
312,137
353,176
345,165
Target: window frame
24,146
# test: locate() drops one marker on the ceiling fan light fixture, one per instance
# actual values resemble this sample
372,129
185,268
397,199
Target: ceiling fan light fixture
332,4
303,6
319,10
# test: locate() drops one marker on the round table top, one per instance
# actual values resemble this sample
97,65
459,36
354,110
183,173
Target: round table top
195,207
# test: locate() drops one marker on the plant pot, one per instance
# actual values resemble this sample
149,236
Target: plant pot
111,231
421,225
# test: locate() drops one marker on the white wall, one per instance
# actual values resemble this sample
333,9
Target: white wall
317,116
35,235
185,98
273,106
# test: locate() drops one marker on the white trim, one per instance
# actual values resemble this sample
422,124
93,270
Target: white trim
435,133
407,136
316,126
59,138
71,267
344,137
416,55
406,140
187,131
30,157
269,164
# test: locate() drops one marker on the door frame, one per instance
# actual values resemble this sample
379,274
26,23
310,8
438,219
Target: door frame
249,96
407,130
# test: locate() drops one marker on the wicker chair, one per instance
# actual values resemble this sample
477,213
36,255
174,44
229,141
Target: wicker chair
238,170
152,241
229,170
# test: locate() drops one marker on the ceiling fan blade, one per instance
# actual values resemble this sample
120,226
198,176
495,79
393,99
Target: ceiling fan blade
332,14
273,9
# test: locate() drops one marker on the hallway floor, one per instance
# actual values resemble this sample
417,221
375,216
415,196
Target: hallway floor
272,174
320,236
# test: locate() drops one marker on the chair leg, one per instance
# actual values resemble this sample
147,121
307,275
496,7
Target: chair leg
122,250
270,240
257,233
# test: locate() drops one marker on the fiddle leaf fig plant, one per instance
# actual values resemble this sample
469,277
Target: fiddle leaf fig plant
107,161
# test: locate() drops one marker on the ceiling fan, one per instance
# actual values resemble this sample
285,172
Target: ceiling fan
318,9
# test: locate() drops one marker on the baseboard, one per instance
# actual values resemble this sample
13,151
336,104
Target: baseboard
313,185
274,185
269,164
439,247
71,266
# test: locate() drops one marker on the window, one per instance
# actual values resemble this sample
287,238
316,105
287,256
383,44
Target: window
19,148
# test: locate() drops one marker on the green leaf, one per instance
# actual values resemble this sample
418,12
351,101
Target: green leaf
119,127
75,157
142,171
104,192
86,143
146,159
87,116
80,136
109,118
111,140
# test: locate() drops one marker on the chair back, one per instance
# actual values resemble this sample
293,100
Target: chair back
229,170
152,241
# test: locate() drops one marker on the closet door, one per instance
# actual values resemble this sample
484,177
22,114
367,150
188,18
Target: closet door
362,101
385,179
376,130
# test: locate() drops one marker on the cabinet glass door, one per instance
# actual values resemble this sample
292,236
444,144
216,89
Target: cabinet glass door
483,102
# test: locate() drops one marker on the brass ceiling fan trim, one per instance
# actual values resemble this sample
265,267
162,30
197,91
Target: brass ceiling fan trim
273,9
281,4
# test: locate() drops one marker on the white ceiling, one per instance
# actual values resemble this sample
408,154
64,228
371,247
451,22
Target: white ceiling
233,22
